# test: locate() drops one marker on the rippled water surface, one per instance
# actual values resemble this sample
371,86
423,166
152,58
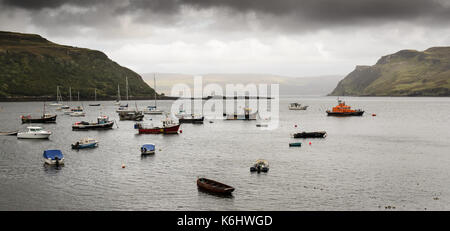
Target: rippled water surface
399,158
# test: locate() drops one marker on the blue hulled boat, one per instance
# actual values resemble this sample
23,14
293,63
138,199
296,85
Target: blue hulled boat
85,143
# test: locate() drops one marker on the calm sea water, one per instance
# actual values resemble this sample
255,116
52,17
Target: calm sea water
400,158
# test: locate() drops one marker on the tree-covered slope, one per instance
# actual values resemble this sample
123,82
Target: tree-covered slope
405,73
33,66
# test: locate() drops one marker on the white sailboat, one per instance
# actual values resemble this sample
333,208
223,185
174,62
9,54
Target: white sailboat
124,108
153,109
58,98
95,99
118,95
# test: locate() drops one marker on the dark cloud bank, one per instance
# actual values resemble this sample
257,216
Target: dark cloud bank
283,13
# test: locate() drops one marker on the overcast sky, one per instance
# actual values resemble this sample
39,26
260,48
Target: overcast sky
284,37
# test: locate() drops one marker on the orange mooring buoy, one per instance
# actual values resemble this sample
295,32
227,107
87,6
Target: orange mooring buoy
123,165
181,131
374,114
309,143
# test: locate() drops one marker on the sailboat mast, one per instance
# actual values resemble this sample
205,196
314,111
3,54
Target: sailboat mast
70,93
118,92
95,94
154,87
126,81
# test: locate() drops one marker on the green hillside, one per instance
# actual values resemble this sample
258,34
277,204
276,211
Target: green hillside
405,73
33,66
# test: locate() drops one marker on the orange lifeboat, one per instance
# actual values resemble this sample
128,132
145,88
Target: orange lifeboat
344,110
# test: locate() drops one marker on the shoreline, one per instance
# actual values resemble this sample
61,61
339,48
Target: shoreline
52,98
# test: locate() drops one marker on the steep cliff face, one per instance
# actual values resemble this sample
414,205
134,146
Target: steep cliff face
33,66
405,73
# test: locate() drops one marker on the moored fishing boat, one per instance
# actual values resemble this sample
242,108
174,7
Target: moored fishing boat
260,166
103,122
34,133
297,106
148,149
53,157
319,134
191,119
214,186
45,118
344,110
168,127
85,143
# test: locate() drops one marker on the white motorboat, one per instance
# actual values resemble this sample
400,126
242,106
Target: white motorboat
77,114
34,133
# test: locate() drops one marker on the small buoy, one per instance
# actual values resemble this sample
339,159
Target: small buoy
295,125
123,165
181,131
374,114
309,143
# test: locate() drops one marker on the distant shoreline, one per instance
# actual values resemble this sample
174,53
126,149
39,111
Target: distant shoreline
52,98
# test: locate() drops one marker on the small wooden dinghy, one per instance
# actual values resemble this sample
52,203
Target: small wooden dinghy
13,133
214,186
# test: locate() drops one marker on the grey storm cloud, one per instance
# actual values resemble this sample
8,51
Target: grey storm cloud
315,11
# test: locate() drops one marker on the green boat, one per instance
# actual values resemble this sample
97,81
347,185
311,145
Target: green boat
298,144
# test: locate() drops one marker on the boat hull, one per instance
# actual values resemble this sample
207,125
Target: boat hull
148,152
295,144
78,127
83,146
25,135
343,114
310,135
214,186
298,108
54,162
191,120
158,130
153,112
50,119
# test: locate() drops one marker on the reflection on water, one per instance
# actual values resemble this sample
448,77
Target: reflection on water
398,158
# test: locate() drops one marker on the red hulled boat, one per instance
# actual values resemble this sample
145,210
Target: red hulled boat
168,127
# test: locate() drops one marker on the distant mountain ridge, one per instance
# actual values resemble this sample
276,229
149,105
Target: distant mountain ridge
32,66
317,85
405,73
